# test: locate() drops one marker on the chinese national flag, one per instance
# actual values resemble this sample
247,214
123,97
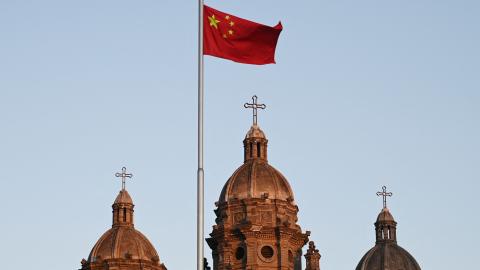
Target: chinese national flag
237,39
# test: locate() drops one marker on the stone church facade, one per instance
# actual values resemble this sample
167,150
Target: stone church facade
256,226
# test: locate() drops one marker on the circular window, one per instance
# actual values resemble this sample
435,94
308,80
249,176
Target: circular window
239,253
267,252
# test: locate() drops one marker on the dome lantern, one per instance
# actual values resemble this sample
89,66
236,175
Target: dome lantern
123,204
385,226
255,142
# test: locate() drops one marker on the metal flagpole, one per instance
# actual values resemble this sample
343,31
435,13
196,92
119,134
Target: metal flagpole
200,172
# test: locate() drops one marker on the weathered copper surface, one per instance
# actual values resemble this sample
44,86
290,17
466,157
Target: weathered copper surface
387,254
256,225
123,247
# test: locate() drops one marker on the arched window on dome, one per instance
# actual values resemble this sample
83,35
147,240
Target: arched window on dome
258,149
251,149
124,214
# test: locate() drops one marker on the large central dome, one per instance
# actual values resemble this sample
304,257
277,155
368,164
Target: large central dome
256,178
256,224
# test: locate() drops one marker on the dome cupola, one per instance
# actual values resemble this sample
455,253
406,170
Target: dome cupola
386,254
123,247
256,178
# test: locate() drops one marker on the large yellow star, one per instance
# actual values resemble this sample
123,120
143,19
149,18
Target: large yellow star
213,21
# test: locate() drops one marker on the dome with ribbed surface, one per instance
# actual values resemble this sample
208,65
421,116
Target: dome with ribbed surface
387,256
123,247
256,179
123,242
256,224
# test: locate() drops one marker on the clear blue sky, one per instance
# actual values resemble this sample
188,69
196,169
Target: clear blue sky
365,93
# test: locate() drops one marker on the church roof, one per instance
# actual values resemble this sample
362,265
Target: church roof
255,132
123,243
123,197
387,256
385,215
256,178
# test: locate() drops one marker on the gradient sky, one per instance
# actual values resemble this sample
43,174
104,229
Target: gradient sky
364,94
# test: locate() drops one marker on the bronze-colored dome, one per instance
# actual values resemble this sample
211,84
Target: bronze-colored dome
123,242
123,247
256,179
387,256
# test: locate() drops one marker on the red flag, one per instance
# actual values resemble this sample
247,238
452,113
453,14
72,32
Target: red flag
237,39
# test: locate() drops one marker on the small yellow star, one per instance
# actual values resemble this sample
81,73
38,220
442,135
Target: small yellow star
230,32
213,21
224,36
231,23
227,17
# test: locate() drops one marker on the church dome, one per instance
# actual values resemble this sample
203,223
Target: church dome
123,247
256,178
387,256
122,242
256,218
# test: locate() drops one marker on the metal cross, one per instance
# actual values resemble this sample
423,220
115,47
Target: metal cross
254,105
124,175
384,193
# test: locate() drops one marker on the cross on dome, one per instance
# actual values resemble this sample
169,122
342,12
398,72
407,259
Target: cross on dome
124,175
384,193
254,106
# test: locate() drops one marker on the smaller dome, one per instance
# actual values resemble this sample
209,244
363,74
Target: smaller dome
255,132
387,256
123,243
385,216
123,197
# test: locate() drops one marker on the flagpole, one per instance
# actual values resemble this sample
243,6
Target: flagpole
200,172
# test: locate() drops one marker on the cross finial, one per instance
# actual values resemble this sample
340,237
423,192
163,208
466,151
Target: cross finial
384,193
124,175
254,105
